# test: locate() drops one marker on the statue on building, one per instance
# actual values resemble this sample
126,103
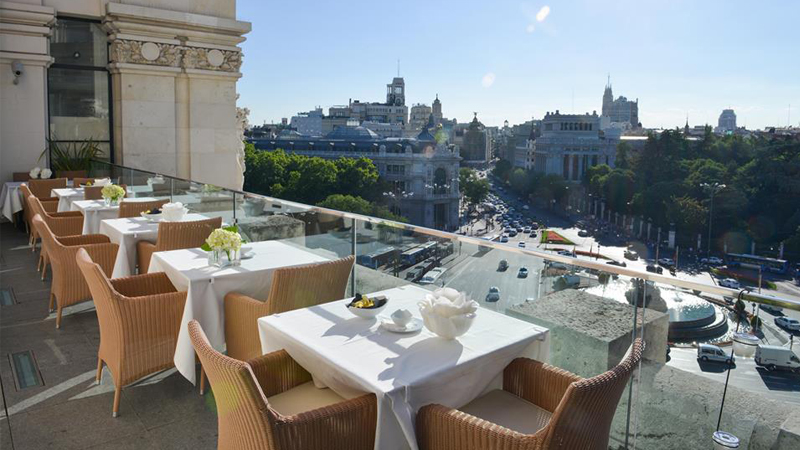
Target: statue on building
241,125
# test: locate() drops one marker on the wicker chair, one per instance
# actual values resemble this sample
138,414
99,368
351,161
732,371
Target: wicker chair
134,209
291,288
139,317
79,181
271,403
41,188
21,176
68,286
174,236
539,407
95,192
68,223
49,204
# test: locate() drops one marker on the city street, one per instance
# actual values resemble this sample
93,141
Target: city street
776,385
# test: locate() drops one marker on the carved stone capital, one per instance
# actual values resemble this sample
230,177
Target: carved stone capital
173,55
212,59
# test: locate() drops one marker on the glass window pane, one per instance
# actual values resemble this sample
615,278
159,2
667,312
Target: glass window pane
79,105
76,42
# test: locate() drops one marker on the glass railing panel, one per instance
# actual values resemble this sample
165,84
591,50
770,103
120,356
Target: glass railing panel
205,199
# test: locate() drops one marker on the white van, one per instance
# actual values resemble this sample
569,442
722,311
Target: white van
773,357
708,352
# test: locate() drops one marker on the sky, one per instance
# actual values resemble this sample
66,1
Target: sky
511,60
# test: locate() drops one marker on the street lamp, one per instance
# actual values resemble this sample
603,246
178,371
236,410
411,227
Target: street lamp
712,189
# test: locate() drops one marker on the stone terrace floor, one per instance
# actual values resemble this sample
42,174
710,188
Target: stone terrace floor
70,411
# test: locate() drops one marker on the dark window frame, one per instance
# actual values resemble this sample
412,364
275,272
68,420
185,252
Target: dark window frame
110,141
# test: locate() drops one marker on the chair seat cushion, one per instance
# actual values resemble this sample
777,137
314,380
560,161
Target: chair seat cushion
506,409
303,398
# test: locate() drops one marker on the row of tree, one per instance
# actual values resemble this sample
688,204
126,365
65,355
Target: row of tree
346,184
542,189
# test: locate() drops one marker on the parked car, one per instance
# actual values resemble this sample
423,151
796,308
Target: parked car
787,322
712,353
632,255
522,273
415,273
503,265
493,295
666,262
521,244
773,357
504,238
771,308
712,260
654,269
583,233
432,276
617,263
730,283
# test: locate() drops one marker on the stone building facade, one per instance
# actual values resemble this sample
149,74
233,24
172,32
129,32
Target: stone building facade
153,82
569,144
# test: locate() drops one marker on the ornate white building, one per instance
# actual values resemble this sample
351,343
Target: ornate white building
153,82
570,144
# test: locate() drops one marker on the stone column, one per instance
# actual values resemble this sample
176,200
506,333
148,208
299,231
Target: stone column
174,90
24,31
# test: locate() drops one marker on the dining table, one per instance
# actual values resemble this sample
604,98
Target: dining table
355,356
66,196
11,199
126,232
95,211
206,286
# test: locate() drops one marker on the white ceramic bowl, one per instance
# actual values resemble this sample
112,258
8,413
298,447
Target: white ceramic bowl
447,327
369,313
174,214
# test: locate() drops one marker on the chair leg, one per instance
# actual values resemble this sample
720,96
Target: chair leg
52,301
117,391
202,380
99,376
58,317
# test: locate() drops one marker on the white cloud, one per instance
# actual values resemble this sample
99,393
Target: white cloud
530,28
488,80
543,13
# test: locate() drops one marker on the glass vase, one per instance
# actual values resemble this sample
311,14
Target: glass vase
108,201
224,258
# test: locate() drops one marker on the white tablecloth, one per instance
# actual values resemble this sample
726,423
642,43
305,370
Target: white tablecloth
11,199
66,196
354,356
188,270
95,211
127,232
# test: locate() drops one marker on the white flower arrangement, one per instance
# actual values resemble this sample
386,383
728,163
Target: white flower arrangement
112,192
46,173
447,312
224,240
34,173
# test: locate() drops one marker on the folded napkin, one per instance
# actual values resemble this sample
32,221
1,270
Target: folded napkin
448,302
171,206
102,181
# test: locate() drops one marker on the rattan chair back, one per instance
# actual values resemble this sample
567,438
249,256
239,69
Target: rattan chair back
42,188
178,235
134,209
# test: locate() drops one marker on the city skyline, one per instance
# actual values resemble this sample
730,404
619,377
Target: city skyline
516,61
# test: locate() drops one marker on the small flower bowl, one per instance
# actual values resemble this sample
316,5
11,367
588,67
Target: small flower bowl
447,328
370,312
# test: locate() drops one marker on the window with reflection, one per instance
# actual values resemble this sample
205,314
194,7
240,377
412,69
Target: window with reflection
79,96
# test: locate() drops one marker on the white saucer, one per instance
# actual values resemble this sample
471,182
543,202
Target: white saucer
247,255
413,326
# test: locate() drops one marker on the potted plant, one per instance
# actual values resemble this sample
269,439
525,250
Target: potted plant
71,159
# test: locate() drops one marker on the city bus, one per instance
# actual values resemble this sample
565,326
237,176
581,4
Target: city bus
755,262
377,258
417,254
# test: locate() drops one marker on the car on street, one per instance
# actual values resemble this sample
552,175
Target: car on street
535,226
666,262
712,353
533,234
415,273
522,273
617,263
504,238
526,230
565,253
773,357
503,265
433,275
712,260
771,308
512,233
632,255
730,283
654,269
787,323
493,295
583,233
521,244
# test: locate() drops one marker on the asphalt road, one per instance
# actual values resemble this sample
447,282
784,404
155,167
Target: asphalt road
777,385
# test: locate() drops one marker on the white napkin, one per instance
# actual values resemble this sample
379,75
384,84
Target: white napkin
102,181
171,206
448,302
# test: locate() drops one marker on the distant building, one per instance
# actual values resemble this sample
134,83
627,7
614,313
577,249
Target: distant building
570,144
419,118
437,111
619,111
727,121
423,174
474,142
392,112
308,123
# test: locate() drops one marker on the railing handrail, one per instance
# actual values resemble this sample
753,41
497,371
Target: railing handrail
745,294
